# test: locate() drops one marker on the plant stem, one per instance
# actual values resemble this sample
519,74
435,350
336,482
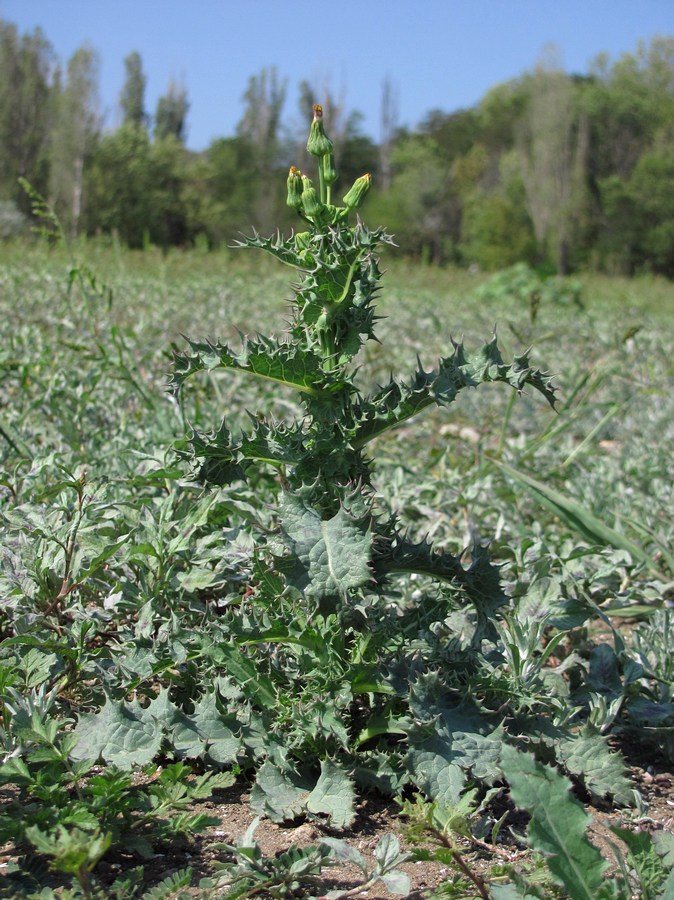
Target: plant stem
461,863
504,426
321,182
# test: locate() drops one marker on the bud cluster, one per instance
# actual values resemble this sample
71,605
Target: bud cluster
314,205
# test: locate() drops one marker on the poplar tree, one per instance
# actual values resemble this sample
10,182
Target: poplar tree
132,98
26,70
171,114
261,120
76,124
553,145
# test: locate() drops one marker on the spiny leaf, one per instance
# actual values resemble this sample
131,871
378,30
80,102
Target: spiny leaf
119,733
334,553
434,773
206,731
479,754
481,582
333,795
396,402
558,824
277,247
278,795
255,684
603,772
284,363
223,459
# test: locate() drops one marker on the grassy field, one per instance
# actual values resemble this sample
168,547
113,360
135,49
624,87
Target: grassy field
114,561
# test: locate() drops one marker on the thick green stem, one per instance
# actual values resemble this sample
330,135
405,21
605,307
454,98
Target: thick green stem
321,182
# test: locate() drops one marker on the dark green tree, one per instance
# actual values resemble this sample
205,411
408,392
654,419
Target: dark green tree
26,70
496,230
638,224
358,152
228,188
168,224
132,97
120,186
171,115
630,107
628,103
420,205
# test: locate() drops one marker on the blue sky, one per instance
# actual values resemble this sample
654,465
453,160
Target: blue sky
442,54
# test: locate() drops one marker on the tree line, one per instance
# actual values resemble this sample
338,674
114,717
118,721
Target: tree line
561,171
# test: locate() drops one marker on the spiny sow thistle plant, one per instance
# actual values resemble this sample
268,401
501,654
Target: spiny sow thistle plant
335,546
341,664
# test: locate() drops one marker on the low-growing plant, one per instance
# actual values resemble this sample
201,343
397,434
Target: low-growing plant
558,830
73,814
532,287
298,871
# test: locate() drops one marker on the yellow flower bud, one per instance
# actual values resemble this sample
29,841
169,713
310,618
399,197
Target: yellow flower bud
310,201
294,188
355,196
319,144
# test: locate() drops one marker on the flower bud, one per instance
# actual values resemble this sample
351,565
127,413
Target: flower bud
294,188
319,144
312,205
355,196
303,240
329,171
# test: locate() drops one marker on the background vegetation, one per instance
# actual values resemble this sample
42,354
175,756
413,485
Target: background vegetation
570,172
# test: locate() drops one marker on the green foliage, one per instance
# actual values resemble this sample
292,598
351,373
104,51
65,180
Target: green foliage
527,286
251,873
73,814
132,97
136,188
333,552
557,826
496,232
549,169
557,829
169,120
25,103
580,519
387,857
295,870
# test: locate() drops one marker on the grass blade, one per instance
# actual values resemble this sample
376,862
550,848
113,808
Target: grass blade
578,517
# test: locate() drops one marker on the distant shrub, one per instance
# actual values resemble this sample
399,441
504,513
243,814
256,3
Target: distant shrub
521,282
